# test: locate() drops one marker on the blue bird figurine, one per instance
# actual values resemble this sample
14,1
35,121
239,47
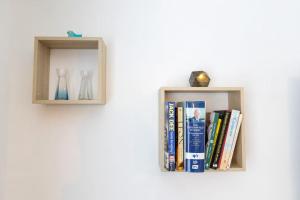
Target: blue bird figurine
72,34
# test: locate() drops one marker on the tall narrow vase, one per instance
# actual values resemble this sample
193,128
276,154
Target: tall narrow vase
86,90
62,87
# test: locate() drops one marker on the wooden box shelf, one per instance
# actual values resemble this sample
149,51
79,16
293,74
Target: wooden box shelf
217,98
41,68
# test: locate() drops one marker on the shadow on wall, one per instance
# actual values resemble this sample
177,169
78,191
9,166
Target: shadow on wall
294,132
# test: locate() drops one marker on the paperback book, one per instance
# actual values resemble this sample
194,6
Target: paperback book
170,129
214,117
224,116
234,140
229,139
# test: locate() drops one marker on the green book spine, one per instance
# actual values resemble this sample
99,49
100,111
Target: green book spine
214,121
218,149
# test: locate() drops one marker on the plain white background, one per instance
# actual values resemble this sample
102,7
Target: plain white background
111,152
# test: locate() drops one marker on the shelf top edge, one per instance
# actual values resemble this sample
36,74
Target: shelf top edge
55,38
208,89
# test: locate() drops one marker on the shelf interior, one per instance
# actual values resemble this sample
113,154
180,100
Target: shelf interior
74,55
74,61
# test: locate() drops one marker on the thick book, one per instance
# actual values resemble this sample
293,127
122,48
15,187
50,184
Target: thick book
229,138
214,117
194,140
170,126
234,140
224,116
179,137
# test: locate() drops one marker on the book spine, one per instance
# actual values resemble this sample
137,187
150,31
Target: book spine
220,141
194,117
234,140
214,120
180,136
215,141
229,138
171,135
166,153
209,131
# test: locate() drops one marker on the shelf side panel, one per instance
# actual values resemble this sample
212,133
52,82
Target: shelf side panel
102,71
161,128
41,71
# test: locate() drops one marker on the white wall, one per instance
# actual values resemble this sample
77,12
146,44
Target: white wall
111,152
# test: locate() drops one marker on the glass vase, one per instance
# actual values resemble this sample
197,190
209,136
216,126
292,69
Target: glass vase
86,90
62,87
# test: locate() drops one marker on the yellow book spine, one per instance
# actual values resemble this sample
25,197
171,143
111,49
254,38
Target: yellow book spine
215,139
179,149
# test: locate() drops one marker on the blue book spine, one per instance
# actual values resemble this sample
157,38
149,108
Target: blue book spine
194,114
170,121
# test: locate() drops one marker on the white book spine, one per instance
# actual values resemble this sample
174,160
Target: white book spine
234,141
229,138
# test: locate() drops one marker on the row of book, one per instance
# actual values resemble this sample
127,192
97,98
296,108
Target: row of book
193,143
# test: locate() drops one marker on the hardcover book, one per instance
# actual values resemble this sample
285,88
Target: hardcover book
211,135
194,117
179,137
224,115
229,138
170,127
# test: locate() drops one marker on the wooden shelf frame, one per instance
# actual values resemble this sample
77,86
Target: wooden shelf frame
41,67
234,99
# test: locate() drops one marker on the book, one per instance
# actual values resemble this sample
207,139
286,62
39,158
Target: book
179,137
215,141
224,116
194,140
229,138
214,117
234,140
170,126
166,154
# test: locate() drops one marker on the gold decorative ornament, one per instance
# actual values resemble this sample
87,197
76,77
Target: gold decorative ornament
199,79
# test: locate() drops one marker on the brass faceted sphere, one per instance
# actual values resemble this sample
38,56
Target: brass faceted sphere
199,79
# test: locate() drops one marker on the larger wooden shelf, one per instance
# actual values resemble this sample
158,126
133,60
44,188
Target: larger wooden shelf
217,98
41,67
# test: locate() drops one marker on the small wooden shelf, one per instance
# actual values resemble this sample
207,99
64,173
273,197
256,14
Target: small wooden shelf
217,98
41,67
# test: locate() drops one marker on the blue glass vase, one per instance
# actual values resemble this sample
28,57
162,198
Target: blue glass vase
62,87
